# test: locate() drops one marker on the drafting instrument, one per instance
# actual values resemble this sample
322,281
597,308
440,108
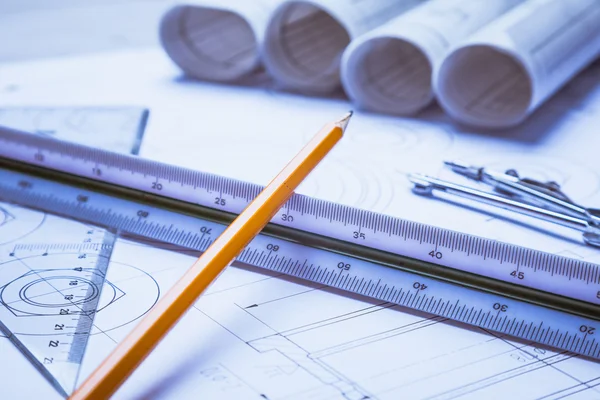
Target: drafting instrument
544,194
56,305
136,346
543,200
118,128
535,296
50,292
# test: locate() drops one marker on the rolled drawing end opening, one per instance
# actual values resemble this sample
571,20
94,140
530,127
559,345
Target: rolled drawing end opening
388,75
303,47
484,86
209,43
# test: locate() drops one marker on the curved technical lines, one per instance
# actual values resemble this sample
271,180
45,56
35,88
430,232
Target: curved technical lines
341,180
328,181
310,185
33,290
394,139
363,183
132,307
5,217
24,302
17,223
386,205
28,295
29,298
23,276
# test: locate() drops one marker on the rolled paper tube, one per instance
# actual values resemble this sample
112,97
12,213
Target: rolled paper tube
305,39
390,69
508,69
218,41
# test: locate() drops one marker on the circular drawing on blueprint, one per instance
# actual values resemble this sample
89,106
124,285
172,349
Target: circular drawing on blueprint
35,287
17,222
128,294
577,181
367,168
397,141
344,182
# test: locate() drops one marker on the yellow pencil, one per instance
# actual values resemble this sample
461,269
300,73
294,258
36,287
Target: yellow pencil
107,378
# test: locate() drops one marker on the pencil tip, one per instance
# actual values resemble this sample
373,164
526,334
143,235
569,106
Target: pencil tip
343,122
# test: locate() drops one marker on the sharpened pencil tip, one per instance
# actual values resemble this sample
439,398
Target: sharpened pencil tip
343,122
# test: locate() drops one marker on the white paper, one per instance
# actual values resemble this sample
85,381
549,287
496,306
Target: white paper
214,39
389,69
302,341
305,39
507,70
115,128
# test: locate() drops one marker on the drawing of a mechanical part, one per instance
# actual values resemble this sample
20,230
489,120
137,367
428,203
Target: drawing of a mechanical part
33,292
17,222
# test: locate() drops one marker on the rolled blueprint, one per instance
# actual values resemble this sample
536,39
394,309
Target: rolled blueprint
390,69
507,69
305,39
216,39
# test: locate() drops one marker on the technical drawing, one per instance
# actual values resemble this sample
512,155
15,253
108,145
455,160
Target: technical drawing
313,366
28,295
127,296
5,217
256,334
17,223
39,291
402,354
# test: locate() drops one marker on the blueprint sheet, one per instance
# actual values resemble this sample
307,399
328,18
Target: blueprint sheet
258,335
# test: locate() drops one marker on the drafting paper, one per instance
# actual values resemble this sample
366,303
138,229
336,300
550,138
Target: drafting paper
305,40
256,335
390,69
507,70
215,39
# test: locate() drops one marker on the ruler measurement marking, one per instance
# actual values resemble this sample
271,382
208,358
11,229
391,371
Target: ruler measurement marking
535,262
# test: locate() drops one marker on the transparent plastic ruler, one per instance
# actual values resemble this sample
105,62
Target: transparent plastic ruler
49,295
550,300
50,282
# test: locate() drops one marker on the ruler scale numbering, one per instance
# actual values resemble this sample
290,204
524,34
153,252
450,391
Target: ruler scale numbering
314,222
50,302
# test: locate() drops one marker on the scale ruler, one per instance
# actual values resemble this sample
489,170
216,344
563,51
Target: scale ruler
367,253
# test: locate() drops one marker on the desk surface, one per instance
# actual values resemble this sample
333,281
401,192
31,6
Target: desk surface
291,346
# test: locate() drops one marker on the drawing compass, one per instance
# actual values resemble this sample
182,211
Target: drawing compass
510,191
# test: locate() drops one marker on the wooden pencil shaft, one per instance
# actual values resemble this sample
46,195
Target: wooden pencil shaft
109,376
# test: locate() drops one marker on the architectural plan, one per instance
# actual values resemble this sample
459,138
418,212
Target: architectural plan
256,334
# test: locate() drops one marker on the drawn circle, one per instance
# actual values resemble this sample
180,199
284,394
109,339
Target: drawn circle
26,298
128,294
45,292
91,291
36,294
397,142
363,170
17,222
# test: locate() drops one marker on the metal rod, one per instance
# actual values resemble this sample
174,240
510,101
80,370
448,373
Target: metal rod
425,185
